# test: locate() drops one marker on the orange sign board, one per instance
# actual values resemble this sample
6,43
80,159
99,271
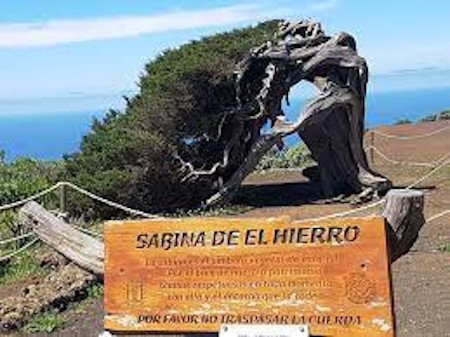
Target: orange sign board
195,274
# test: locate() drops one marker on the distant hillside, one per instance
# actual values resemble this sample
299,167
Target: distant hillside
440,116
443,115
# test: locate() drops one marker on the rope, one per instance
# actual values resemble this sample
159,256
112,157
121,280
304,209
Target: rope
17,238
17,252
82,191
340,214
374,204
379,202
33,197
393,161
437,215
437,168
147,215
106,201
409,137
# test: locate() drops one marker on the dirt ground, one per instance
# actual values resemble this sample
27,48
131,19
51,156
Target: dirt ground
421,279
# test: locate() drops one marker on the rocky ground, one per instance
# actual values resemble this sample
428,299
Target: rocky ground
421,279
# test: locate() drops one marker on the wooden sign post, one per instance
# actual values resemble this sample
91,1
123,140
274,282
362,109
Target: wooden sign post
196,274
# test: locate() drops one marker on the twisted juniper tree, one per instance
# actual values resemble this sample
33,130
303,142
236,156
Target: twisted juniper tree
195,129
332,124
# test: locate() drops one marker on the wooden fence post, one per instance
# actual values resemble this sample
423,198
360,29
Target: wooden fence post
62,198
372,144
403,211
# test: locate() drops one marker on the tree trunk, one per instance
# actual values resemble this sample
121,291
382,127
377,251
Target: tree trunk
403,211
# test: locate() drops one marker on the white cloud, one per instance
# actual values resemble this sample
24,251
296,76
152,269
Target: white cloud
23,35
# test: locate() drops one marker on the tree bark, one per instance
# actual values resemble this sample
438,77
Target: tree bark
403,211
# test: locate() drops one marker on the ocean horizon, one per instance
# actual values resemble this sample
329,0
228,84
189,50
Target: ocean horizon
50,136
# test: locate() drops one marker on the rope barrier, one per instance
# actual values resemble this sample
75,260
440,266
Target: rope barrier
147,215
437,168
393,161
434,217
20,250
379,202
409,137
107,202
33,197
82,191
340,214
17,238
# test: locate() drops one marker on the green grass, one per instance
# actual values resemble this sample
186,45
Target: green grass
20,268
444,247
78,308
53,320
95,290
215,211
403,121
46,322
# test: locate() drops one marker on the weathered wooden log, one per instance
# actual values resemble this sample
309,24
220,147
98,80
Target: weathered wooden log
84,250
403,211
65,284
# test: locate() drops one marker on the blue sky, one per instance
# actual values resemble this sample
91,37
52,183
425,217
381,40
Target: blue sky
61,56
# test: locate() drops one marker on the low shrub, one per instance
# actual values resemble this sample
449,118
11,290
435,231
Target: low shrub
47,323
297,156
403,121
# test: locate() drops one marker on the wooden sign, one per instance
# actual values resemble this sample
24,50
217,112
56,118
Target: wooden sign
197,274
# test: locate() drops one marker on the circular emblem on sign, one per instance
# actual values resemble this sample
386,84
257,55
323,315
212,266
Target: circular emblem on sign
359,288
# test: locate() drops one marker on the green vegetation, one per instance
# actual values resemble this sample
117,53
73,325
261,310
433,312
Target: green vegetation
46,322
443,115
129,156
50,321
217,211
8,226
25,177
20,268
297,156
444,247
20,179
403,121
95,290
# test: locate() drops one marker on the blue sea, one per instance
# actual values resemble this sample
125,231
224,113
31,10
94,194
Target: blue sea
51,135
